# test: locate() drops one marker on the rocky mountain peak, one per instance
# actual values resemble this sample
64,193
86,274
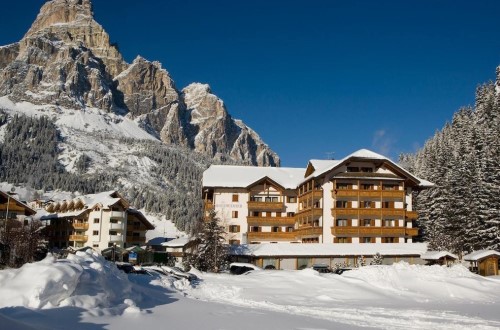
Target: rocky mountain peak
66,59
61,12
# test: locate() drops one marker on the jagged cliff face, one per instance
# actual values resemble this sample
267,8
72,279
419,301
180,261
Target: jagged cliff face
66,59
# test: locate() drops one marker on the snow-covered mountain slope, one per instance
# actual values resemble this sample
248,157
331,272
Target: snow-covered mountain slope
66,62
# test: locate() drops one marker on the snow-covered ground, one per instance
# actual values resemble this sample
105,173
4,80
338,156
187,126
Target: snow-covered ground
86,292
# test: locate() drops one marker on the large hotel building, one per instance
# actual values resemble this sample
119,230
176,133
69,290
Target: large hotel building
362,198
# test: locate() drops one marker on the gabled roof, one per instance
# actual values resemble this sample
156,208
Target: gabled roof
436,255
481,254
178,242
229,176
142,218
363,155
27,210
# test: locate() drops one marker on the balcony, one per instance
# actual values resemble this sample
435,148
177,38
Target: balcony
265,206
368,231
78,238
411,215
411,231
380,194
138,239
271,236
309,231
314,194
361,212
117,226
117,215
271,221
116,238
315,212
81,226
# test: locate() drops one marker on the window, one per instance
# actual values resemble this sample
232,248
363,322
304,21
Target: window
367,204
255,199
390,187
113,232
95,232
234,214
255,229
366,222
289,229
341,204
367,169
95,245
234,242
96,220
343,186
234,229
255,214
365,239
290,214
235,197
390,240
367,186
352,169
278,214
342,240
388,205
271,199
389,223
292,199
341,222
276,229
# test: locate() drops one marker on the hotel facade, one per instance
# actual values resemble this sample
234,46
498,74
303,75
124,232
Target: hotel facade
364,198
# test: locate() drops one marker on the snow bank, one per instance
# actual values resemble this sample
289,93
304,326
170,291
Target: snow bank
82,280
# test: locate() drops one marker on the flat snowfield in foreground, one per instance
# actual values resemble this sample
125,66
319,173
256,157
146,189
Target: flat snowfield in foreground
86,292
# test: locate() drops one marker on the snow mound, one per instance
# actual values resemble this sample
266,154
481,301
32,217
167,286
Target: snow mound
85,280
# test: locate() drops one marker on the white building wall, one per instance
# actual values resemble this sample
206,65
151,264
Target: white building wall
224,207
327,211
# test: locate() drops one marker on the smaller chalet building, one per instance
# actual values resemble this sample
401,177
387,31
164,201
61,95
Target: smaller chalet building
484,262
98,221
13,209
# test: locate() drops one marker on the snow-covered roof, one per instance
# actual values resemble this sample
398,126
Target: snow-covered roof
27,210
436,255
298,249
481,254
243,176
178,242
324,167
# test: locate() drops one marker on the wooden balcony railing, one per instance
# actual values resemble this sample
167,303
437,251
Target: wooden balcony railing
368,193
265,206
411,215
272,236
315,212
81,226
411,231
368,231
271,221
78,238
308,230
131,239
360,212
374,231
315,195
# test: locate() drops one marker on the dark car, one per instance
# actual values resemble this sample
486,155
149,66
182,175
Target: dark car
125,267
238,268
322,268
340,271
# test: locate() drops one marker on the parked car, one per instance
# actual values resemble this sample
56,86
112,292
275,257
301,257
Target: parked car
179,273
125,267
322,268
340,271
238,268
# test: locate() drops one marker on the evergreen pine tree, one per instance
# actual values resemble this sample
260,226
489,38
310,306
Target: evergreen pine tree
212,254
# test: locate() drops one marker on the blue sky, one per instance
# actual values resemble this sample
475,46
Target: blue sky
312,77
